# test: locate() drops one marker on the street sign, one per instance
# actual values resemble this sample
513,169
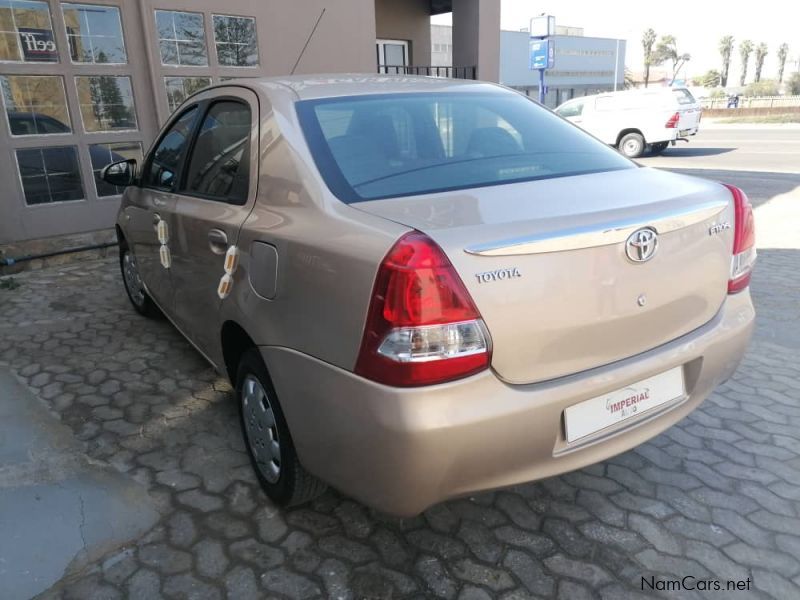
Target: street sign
542,54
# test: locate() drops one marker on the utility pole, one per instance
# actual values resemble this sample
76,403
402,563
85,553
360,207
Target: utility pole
542,48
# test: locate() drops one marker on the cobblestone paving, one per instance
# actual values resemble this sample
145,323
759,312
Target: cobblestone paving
717,496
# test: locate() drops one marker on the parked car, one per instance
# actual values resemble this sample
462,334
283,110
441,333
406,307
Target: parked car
634,119
423,288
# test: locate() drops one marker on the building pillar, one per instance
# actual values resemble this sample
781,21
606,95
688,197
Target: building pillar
476,37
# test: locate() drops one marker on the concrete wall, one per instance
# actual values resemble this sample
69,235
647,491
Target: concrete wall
408,21
727,113
476,36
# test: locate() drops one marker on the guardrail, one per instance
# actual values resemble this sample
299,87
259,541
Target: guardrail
754,102
431,71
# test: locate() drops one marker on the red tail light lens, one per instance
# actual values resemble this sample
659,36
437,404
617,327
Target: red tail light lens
422,326
672,123
744,241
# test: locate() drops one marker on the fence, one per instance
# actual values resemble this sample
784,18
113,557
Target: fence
754,102
433,71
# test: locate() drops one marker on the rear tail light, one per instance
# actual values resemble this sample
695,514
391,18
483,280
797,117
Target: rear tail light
422,326
744,241
672,123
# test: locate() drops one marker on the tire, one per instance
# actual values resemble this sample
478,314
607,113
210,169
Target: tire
141,301
632,145
277,468
659,147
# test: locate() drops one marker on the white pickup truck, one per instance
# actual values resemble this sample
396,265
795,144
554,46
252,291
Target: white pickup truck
634,119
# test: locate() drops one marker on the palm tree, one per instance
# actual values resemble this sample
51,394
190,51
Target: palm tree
667,49
761,53
783,52
745,48
725,50
648,39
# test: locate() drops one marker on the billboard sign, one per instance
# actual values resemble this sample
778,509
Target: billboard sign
542,54
543,26
37,45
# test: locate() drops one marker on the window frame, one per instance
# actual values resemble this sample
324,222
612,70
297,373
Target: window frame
214,37
173,76
159,39
39,205
68,36
206,107
22,60
85,131
34,135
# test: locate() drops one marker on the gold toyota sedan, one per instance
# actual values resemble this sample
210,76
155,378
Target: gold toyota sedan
422,288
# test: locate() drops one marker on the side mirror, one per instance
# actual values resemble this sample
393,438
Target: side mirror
121,174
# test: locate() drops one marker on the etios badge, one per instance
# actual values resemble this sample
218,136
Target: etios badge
641,245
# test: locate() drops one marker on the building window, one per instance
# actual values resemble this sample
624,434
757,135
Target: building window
26,32
35,105
50,174
236,42
94,33
105,154
106,103
181,38
180,88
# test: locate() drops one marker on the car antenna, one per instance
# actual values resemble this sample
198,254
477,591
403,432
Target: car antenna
310,35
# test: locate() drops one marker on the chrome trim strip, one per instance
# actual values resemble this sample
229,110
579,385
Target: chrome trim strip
604,234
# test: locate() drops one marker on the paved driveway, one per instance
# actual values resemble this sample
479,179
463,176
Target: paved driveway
717,496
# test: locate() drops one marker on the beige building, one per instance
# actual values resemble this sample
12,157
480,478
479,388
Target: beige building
86,83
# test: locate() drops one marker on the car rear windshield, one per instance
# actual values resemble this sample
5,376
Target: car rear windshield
684,96
381,146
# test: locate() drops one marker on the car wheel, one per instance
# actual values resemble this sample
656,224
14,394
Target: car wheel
632,145
267,438
659,147
134,286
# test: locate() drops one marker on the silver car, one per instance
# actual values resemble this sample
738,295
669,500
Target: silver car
423,288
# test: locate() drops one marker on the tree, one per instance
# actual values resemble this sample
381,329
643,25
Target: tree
793,85
783,52
648,39
768,87
725,51
761,53
711,79
745,49
667,50
630,82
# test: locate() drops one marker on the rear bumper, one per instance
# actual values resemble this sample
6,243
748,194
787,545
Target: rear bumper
402,450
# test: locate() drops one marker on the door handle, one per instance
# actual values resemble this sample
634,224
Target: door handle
217,241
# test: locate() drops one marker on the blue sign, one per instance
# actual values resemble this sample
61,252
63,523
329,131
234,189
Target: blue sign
542,54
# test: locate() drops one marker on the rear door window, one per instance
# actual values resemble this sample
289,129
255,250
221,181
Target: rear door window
218,168
378,146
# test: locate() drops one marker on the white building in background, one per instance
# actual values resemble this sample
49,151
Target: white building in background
583,65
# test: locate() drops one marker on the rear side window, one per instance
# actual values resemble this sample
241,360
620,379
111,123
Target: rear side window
218,167
379,146
684,96
164,161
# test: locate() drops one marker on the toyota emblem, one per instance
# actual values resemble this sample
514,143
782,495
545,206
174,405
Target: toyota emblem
641,245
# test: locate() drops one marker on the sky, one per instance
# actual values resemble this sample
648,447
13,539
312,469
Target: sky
698,25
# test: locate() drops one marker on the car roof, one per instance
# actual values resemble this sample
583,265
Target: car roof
307,87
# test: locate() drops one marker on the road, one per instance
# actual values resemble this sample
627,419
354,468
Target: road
717,496
772,149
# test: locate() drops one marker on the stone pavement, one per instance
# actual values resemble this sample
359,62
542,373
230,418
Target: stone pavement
717,496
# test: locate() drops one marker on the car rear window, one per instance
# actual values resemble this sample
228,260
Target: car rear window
381,146
684,96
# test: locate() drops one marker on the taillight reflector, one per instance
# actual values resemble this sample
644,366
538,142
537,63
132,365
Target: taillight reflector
744,241
672,123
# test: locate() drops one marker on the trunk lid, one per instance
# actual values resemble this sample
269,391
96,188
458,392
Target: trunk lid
545,262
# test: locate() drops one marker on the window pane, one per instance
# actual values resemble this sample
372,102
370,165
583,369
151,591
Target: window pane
95,33
105,154
50,174
164,161
106,103
368,148
218,165
181,38
236,42
26,33
180,88
35,105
